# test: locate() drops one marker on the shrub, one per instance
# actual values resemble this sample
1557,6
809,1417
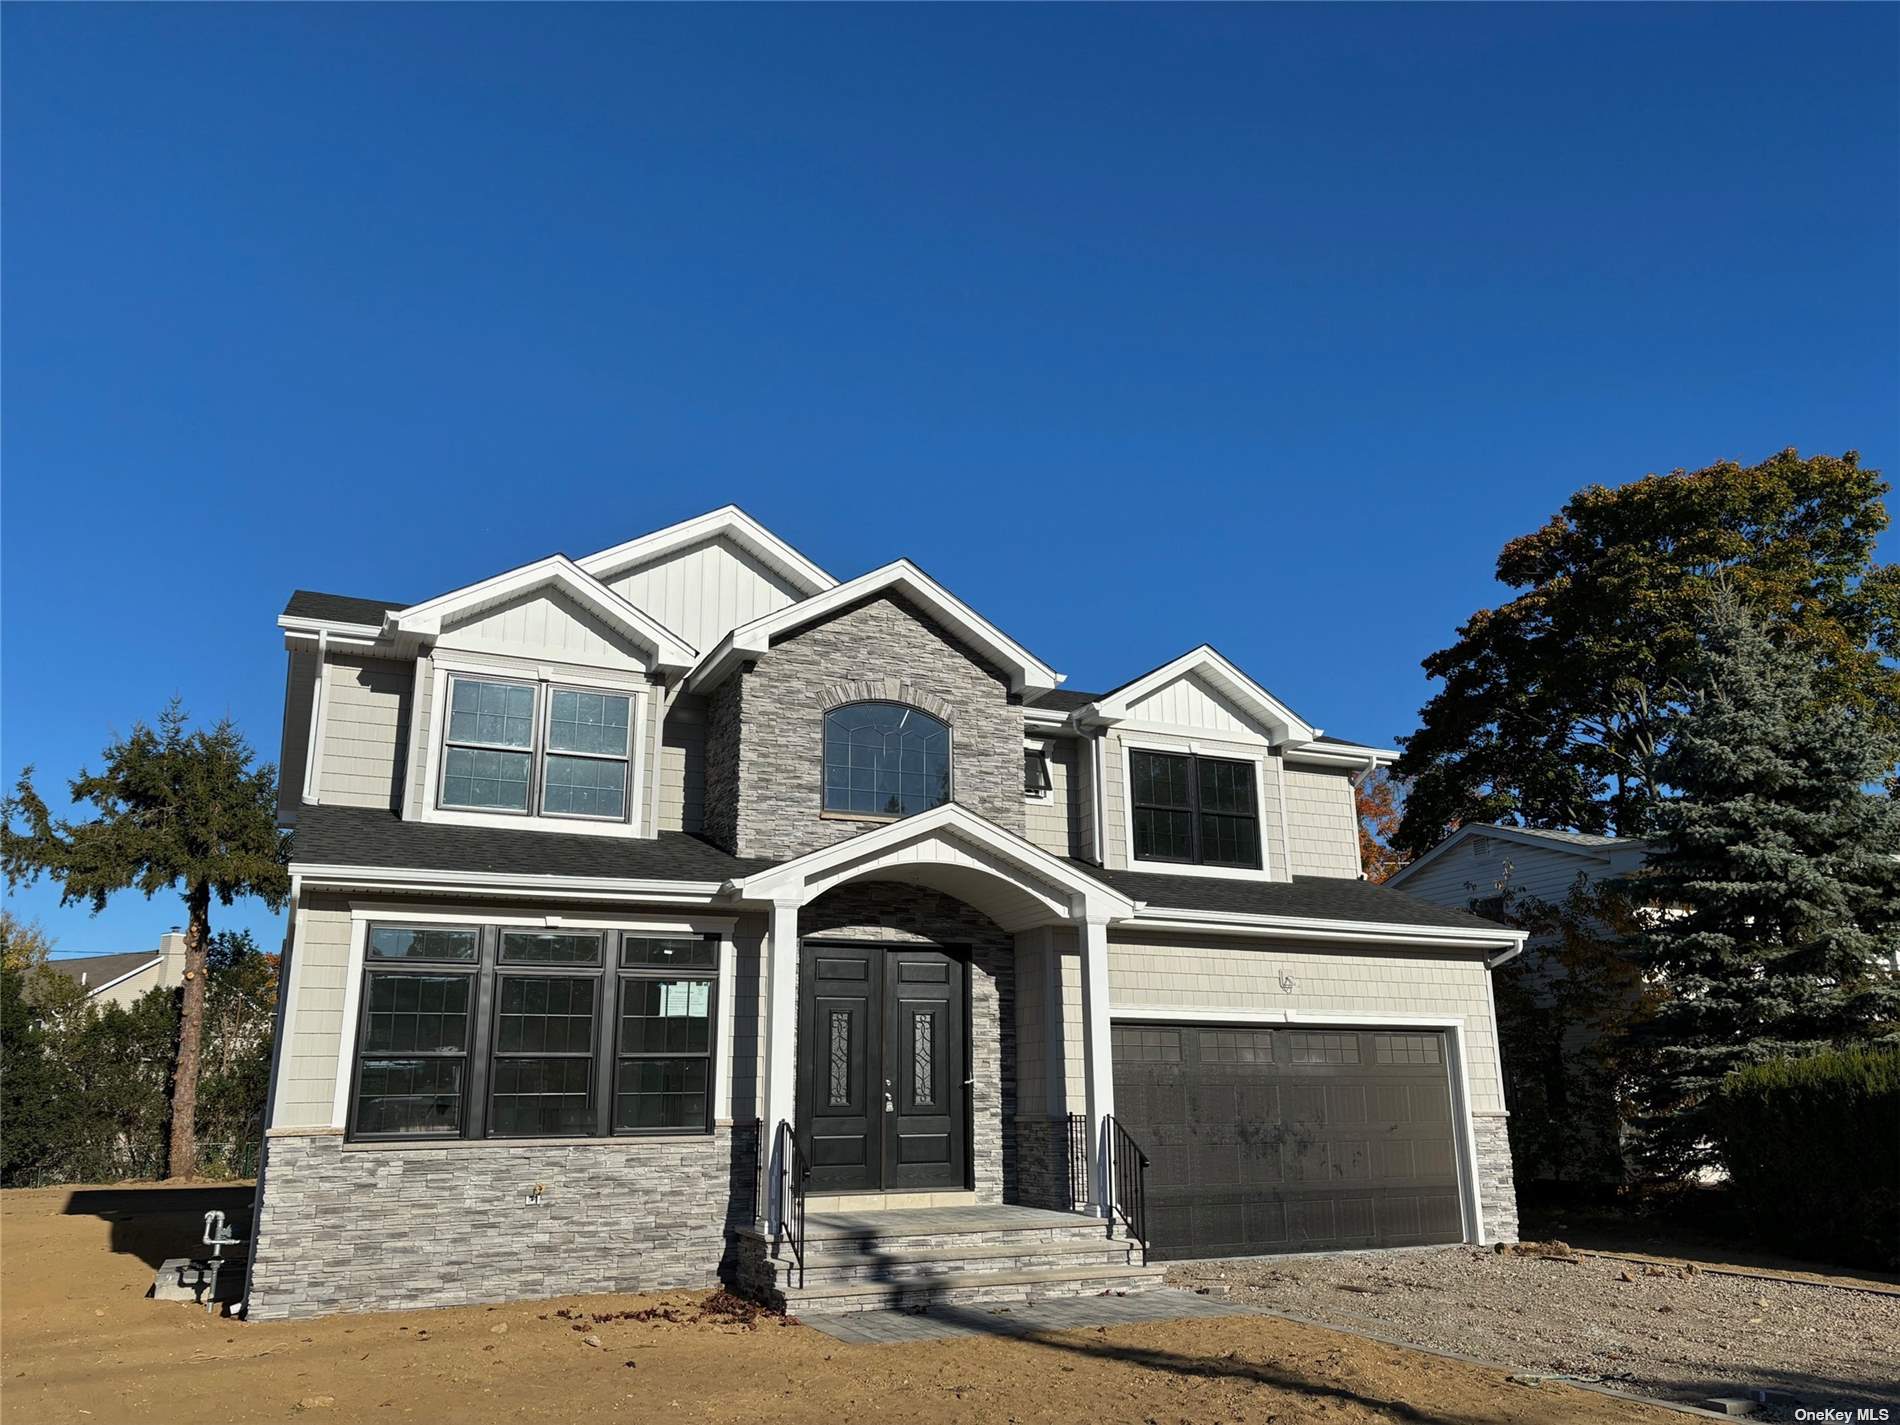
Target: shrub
1812,1147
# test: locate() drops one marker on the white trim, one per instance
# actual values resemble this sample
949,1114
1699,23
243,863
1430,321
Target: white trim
791,880
158,959
1284,723
1028,675
1215,751
424,622
1339,754
1458,1072
544,678
728,521
500,883
1309,928
363,913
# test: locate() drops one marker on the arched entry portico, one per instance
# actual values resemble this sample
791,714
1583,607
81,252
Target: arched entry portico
950,850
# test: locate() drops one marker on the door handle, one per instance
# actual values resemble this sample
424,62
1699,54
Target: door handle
889,1105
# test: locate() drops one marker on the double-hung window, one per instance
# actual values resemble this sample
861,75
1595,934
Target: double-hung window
501,1032
515,748
1195,810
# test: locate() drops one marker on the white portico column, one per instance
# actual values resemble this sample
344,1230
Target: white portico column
781,1045
1097,1055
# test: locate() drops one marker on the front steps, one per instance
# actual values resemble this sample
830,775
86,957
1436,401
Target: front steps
918,1258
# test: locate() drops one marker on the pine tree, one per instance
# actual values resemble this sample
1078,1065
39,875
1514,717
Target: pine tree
177,810
1773,879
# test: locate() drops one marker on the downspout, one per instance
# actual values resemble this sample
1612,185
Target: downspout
313,754
1358,784
280,1041
1098,793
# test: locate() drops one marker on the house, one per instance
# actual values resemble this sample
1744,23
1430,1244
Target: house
121,979
683,913
1559,1078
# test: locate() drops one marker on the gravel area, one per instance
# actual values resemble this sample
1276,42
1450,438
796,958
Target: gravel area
1674,1333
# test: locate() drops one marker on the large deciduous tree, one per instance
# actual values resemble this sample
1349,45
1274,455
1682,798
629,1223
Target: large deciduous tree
1772,877
1557,706
1376,803
175,809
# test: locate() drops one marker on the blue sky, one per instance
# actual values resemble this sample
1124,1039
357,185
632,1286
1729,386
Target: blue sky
1135,326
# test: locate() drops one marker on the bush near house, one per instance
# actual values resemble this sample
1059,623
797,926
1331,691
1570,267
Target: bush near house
87,1088
1812,1147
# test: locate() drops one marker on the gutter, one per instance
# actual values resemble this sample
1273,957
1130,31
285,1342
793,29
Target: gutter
339,877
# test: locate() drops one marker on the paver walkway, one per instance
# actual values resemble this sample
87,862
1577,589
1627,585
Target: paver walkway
873,1328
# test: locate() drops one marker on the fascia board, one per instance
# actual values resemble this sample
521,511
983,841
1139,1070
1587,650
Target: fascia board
730,520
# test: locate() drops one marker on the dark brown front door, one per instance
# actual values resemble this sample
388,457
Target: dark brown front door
882,1050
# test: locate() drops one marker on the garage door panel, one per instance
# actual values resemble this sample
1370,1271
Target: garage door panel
1286,1140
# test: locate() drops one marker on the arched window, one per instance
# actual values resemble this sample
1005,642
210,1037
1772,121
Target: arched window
885,759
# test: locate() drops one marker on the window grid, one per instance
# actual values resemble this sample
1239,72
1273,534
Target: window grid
1405,1048
588,1035
521,749
1325,1048
884,760
1194,810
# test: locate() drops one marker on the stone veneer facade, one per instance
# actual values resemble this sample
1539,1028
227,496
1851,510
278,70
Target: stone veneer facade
1497,1186
377,1227
765,727
896,914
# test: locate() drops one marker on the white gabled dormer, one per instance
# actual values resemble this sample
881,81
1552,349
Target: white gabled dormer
707,576
538,699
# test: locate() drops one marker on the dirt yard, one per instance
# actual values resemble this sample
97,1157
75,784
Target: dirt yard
1671,1330
80,1343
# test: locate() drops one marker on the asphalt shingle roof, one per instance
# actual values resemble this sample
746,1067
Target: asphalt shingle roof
1570,838
339,608
370,836
1314,897
102,969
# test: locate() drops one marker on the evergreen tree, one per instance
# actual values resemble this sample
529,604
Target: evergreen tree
175,810
1773,881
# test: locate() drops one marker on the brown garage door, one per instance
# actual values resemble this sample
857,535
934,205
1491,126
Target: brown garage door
1289,1140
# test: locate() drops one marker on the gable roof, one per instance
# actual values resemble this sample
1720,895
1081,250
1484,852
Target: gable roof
426,620
1028,675
1208,664
98,972
727,522
1588,845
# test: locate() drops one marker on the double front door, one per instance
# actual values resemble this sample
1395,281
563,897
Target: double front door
883,1100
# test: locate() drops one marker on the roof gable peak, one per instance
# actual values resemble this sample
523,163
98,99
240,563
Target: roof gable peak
728,522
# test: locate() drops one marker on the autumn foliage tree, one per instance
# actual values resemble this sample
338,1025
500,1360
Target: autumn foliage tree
174,809
1376,801
1557,706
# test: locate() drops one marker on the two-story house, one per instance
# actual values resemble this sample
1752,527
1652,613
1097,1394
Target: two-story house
683,913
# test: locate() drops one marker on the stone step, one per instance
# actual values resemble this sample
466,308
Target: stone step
898,1240
968,1288
873,1266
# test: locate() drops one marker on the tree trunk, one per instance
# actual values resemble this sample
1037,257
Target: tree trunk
191,1033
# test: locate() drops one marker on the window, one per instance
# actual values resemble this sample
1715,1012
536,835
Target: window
1197,810
1036,781
587,1033
496,750
885,760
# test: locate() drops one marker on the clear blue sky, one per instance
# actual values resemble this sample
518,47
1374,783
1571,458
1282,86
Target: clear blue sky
1136,326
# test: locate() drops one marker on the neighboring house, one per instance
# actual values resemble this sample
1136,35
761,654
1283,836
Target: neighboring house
682,912
121,979
1563,1094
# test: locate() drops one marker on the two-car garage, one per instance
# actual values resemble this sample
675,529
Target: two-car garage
1284,1138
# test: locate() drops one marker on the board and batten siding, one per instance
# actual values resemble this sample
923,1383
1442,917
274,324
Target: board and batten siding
1322,823
1054,822
365,726
545,624
1211,976
1188,702
704,591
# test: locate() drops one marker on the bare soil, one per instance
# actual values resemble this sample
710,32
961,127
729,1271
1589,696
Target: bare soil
1666,1327
81,1343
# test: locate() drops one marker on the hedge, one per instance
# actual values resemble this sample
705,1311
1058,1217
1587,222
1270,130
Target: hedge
1813,1151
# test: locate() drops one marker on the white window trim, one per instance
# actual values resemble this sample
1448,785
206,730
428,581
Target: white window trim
1218,751
544,678
1452,1026
362,914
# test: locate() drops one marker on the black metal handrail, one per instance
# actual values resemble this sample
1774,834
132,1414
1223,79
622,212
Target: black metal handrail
1128,1181
794,1173
1079,1159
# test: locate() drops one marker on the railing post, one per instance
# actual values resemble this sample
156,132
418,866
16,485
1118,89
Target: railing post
1097,1052
781,1033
